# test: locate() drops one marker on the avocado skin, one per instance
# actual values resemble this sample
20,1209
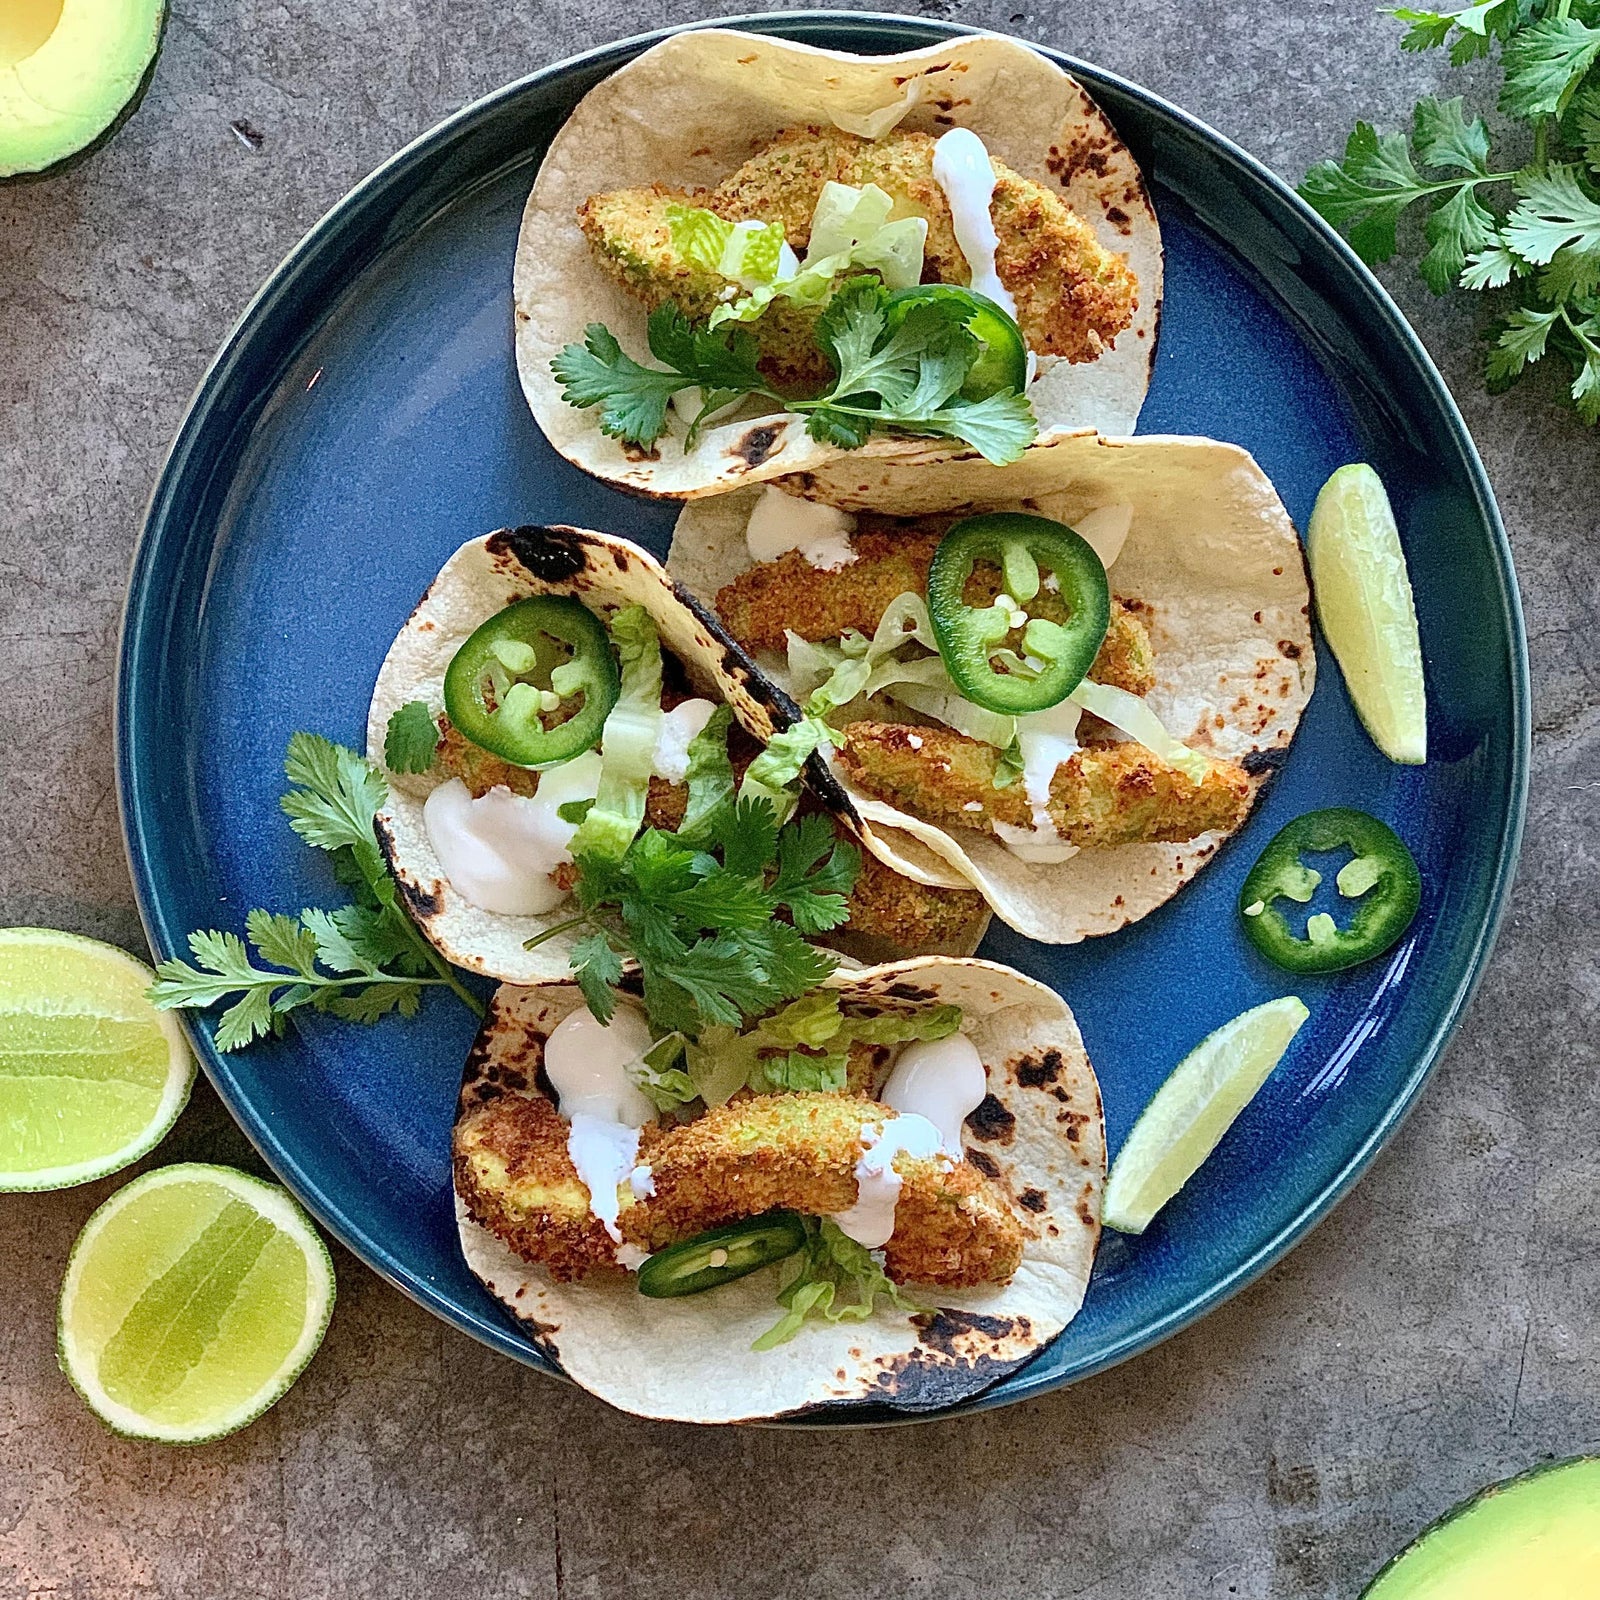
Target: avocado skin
1382,1586
135,100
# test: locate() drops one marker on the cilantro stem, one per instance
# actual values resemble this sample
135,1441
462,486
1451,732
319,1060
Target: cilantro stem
561,927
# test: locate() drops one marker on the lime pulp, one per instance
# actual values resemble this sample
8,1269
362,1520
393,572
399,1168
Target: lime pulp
1191,1111
193,1298
1365,605
91,1074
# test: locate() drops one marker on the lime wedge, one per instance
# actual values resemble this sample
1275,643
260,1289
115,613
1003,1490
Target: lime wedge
194,1297
91,1074
1358,574
1192,1110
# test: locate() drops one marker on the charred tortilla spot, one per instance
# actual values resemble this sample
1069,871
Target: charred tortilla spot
958,1354
759,443
984,1162
1035,1072
1033,1200
991,1121
1258,763
552,555
914,992
1086,1211
1287,647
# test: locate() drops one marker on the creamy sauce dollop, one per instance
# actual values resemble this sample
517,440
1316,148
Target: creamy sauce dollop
781,522
870,1221
586,1062
962,168
499,850
679,728
942,1080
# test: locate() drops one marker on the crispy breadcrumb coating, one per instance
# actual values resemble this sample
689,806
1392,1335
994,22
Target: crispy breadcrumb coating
1105,795
953,1226
820,604
1073,296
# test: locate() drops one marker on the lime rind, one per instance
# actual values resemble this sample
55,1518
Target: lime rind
1191,1111
81,1364
1367,610
132,977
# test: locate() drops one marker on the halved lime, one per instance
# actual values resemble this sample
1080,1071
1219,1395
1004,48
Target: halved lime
193,1298
91,1074
1191,1111
1363,592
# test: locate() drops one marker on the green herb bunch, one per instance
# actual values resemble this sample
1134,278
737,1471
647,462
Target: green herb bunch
359,961
908,379
1530,233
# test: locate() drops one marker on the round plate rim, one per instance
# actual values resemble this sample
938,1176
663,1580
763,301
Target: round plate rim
166,941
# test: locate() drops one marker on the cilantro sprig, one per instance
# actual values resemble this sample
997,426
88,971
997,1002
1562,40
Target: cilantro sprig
907,380
1528,235
702,915
359,961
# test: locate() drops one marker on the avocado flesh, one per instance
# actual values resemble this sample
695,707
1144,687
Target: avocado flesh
70,72
1536,1537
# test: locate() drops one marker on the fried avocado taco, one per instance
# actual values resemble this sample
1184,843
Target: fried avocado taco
1062,683
886,1192
743,257
554,694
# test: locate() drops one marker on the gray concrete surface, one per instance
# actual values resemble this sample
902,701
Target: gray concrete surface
1443,1328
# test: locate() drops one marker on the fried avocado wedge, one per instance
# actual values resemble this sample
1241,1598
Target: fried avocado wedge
988,1257
1085,818
466,703
737,183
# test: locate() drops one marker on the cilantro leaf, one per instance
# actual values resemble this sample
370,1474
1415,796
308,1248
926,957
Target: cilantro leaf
632,398
597,968
1475,26
999,427
358,961
720,361
1555,214
1445,138
412,738
1522,338
845,430
1545,62
342,794
282,941
1368,190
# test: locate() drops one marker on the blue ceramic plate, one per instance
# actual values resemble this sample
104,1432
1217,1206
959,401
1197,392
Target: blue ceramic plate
364,419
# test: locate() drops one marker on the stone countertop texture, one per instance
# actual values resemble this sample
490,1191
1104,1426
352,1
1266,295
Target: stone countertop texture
1440,1330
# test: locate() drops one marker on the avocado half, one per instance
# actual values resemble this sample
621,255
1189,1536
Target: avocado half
71,73
1535,1537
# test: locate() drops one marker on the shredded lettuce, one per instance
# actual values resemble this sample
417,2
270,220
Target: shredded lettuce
774,773
659,1076
1132,717
751,253
710,778
850,232
834,1278
946,706
627,742
806,1045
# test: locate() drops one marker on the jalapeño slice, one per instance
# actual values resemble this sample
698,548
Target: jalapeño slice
1055,656
1380,880
711,1259
1002,366
535,683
